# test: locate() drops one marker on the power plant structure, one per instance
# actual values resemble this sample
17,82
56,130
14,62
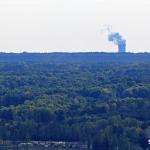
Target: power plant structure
122,46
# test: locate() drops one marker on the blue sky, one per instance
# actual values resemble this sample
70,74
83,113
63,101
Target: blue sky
73,25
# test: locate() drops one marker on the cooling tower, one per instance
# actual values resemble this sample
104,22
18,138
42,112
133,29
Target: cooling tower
122,46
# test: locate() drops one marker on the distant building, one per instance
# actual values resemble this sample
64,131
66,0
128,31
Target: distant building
122,46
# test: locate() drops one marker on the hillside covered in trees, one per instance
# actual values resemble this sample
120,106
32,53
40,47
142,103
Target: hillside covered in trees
102,101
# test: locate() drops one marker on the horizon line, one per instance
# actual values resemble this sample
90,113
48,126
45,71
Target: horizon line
28,52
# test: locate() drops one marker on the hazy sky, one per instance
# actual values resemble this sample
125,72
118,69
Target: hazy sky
73,25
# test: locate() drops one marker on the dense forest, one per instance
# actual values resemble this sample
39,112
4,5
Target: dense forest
105,103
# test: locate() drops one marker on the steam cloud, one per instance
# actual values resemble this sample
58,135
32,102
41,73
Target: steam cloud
116,38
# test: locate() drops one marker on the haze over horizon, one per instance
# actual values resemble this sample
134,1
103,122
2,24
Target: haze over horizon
73,25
